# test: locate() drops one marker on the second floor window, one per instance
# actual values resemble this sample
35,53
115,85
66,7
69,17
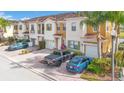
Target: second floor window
20,27
49,27
42,28
39,28
32,28
27,27
73,26
15,27
58,27
64,27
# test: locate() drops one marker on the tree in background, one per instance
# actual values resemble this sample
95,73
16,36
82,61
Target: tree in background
117,18
3,24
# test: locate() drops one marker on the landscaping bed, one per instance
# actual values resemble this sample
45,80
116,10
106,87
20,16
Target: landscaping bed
94,77
100,70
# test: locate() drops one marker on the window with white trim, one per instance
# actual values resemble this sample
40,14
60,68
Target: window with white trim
32,28
74,44
73,26
58,26
20,27
64,26
49,27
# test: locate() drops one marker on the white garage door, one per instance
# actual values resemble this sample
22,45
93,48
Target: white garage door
91,51
50,44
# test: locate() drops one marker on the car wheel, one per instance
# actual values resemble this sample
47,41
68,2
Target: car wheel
59,64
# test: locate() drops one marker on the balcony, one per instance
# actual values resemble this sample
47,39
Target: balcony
26,31
15,32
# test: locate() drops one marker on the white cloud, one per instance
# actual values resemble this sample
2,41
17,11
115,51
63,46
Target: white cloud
9,17
25,18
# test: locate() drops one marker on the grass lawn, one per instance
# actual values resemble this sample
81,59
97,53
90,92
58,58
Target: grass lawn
122,34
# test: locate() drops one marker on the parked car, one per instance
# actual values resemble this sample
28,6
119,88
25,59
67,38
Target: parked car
17,46
22,40
78,63
57,57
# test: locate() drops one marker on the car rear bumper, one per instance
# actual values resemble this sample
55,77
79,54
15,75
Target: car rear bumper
74,70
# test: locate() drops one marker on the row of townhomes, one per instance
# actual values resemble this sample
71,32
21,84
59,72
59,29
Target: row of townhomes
65,29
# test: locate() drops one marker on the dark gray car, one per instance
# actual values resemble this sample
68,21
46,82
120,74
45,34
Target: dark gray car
57,57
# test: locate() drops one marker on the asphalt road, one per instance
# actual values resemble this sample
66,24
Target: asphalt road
10,71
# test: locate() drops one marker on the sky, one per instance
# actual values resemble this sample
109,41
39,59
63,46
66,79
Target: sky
22,15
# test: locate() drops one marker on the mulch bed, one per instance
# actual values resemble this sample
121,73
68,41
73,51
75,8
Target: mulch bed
94,77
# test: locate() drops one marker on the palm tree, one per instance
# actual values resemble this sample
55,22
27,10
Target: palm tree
95,19
3,24
116,17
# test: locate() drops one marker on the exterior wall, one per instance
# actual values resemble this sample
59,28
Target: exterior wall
20,32
9,31
62,32
75,35
90,30
68,34
49,35
33,35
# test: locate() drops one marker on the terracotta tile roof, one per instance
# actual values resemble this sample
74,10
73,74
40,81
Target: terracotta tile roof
58,17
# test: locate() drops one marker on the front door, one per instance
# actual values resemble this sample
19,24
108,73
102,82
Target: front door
33,41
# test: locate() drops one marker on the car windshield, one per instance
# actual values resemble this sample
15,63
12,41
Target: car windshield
66,52
76,60
56,53
19,44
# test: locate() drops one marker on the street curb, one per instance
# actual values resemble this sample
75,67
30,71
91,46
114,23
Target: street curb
31,69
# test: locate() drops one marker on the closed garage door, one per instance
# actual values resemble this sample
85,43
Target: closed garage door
91,50
50,44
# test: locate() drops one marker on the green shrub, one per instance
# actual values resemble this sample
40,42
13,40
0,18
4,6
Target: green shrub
94,68
100,66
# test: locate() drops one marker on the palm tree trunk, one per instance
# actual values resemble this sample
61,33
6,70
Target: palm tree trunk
117,38
99,48
99,43
116,43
